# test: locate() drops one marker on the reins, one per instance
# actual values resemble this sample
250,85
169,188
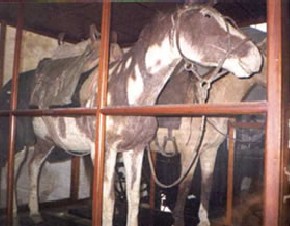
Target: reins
195,157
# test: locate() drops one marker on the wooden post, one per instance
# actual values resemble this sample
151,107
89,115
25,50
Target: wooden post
231,148
275,117
285,70
2,50
12,118
101,118
75,178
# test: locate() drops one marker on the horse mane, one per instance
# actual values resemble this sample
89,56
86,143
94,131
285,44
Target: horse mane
156,28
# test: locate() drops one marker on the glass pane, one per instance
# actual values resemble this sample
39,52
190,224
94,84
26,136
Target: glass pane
248,168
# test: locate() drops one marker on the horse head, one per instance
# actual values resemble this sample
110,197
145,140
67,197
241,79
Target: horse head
205,36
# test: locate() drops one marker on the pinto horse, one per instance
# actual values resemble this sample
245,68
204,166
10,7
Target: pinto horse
25,140
197,34
228,89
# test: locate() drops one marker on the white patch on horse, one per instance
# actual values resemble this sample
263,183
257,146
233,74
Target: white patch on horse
118,69
109,121
74,140
190,51
128,63
135,86
203,216
159,56
109,98
41,129
240,71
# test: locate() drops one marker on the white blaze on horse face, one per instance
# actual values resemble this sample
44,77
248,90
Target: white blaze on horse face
135,86
159,56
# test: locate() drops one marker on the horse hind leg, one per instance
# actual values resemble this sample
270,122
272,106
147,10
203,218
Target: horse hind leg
42,149
20,157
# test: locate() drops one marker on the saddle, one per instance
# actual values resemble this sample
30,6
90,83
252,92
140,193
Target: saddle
56,79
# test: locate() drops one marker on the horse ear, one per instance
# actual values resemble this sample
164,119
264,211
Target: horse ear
116,52
114,37
94,33
60,38
263,46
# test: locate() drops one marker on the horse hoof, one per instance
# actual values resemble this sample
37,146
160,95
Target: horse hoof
36,218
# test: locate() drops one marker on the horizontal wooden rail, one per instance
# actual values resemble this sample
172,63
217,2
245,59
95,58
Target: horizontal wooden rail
192,109
247,125
50,112
156,110
51,204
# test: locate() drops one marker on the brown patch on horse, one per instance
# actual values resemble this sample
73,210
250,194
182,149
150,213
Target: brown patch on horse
62,127
86,126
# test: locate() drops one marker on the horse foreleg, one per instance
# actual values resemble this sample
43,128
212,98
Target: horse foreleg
42,150
133,168
19,159
108,190
207,163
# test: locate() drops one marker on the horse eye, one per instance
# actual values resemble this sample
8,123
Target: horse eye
207,15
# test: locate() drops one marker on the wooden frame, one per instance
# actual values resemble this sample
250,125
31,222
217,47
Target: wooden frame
275,109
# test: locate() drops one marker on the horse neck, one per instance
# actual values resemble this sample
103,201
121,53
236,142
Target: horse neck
142,73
